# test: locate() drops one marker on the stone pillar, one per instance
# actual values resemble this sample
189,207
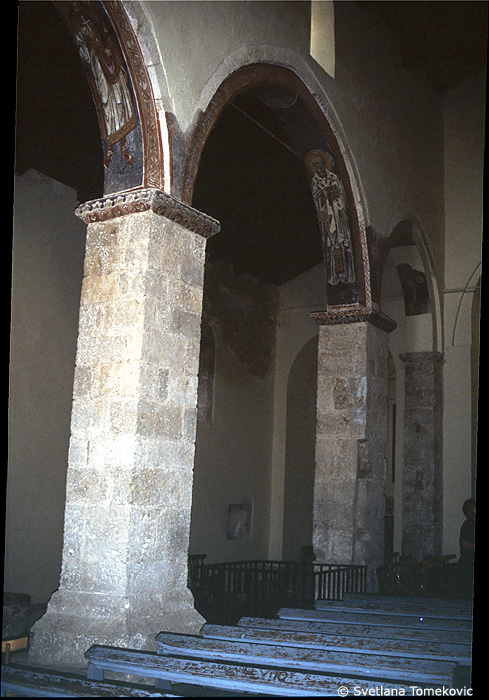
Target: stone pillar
133,424
422,471
351,436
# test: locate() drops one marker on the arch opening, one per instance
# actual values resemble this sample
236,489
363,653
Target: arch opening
267,262
276,100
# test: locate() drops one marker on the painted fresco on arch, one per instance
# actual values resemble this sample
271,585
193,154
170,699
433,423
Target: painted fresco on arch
331,205
106,68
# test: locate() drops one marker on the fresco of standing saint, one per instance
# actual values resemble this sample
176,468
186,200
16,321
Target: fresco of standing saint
331,206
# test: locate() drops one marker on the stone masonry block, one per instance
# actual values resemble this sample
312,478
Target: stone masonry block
157,420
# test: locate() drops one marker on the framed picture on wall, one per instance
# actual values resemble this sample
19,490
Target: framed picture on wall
239,521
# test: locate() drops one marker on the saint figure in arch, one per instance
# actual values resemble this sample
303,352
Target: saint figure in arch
331,206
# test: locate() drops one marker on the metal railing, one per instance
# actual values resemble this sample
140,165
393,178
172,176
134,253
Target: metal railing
267,585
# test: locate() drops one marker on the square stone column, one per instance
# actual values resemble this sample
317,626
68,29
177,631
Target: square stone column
133,425
422,503
351,436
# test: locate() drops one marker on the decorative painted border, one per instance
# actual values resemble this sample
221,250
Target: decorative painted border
339,315
148,199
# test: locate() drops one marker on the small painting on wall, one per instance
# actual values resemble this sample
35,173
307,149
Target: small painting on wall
239,521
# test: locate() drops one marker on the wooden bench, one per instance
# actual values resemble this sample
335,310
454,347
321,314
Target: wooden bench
26,681
455,653
348,665
243,678
444,603
371,631
11,645
420,621
375,608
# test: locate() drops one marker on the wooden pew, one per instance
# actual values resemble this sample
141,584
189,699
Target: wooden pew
444,603
25,681
222,676
407,671
370,631
379,608
421,621
455,653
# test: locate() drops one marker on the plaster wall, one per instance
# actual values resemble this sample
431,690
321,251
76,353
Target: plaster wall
48,251
464,123
241,452
297,299
234,442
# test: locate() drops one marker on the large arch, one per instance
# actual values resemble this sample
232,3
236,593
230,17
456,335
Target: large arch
352,322
122,91
320,134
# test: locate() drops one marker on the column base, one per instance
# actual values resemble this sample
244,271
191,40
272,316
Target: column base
63,635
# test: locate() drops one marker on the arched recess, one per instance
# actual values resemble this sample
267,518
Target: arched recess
407,235
407,292
122,92
300,452
308,129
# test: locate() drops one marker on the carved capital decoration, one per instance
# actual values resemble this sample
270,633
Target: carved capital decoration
157,201
421,358
339,315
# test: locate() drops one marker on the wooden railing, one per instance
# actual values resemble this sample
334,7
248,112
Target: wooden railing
432,576
263,586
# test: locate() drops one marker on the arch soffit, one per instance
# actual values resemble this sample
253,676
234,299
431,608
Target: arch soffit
156,75
420,241
278,66
210,101
145,84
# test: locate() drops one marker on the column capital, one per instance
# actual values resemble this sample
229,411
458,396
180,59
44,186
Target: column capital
338,315
424,357
148,199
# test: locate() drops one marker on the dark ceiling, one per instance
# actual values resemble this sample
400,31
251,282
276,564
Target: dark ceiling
257,188
445,40
248,179
57,128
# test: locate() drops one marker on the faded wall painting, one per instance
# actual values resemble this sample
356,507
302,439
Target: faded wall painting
239,521
415,290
